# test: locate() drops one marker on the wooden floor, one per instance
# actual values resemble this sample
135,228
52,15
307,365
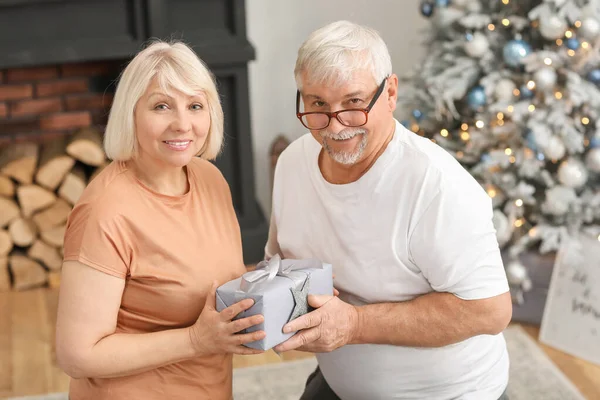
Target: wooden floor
27,361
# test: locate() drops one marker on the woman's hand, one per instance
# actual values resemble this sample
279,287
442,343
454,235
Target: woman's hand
215,332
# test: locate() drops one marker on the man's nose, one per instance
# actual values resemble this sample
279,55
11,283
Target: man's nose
335,125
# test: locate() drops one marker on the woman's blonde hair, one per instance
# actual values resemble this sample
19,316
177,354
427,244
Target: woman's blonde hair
176,67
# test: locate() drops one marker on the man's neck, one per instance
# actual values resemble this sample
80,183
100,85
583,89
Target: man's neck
340,174
171,181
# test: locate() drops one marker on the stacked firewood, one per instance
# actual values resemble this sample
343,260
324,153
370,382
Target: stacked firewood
39,184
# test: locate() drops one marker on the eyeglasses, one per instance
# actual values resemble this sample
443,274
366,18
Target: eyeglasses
355,117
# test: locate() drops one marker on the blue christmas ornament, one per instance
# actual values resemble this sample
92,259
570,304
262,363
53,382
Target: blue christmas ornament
486,158
469,37
530,138
573,43
417,114
515,51
442,3
427,8
476,97
594,76
595,142
525,92
406,123
540,156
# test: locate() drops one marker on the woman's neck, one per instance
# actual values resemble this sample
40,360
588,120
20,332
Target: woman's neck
170,181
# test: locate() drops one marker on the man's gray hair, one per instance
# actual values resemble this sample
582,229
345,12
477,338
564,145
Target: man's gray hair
332,53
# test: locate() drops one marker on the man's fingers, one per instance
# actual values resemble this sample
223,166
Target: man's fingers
298,340
246,351
244,338
306,321
336,292
317,301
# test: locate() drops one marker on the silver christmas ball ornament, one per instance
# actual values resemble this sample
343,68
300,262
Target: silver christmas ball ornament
555,149
504,90
592,160
590,28
477,46
572,173
545,78
553,27
516,273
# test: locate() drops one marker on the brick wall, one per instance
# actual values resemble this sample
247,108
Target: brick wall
38,104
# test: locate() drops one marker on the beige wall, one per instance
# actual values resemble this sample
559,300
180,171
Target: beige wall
277,28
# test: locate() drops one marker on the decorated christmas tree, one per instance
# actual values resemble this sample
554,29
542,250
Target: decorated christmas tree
511,89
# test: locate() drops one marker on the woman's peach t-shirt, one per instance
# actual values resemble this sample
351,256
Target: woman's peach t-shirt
169,249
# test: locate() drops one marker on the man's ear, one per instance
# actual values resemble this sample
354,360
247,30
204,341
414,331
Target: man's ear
392,92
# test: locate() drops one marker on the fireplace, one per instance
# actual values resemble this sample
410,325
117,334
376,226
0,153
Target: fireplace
59,62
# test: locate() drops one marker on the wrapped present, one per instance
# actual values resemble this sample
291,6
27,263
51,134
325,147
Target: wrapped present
279,289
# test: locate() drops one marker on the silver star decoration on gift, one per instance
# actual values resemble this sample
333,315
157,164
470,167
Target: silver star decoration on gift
301,300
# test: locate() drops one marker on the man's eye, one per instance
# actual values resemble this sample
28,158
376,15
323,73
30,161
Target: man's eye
318,103
355,101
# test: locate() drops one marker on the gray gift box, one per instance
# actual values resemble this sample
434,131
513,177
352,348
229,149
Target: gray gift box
279,289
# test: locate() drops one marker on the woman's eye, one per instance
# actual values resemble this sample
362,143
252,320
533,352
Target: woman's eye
161,106
197,106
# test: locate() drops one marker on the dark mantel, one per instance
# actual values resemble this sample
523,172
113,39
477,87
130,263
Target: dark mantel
50,32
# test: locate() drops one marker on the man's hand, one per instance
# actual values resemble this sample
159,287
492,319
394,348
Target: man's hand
333,324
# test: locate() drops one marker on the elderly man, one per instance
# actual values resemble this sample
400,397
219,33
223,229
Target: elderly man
423,293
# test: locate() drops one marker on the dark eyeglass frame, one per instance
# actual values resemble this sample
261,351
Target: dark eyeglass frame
335,114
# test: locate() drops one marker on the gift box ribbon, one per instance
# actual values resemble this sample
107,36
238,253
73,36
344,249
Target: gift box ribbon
266,271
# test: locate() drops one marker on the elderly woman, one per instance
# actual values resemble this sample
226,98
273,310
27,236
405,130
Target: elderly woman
149,241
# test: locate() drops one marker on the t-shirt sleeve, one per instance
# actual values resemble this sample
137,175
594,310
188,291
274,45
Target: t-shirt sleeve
454,243
95,237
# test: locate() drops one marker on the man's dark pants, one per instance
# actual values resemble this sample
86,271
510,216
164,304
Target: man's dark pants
318,389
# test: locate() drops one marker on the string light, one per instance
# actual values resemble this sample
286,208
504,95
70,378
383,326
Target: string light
533,232
505,2
491,27
460,154
558,95
519,223
559,42
585,45
501,122
415,127
500,115
492,192
519,203
599,238
577,24
506,22
508,151
586,142
531,108
585,120
531,85
570,52
512,159
548,61
516,92
510,108
568,34
444,132
464,127
480,124
465,136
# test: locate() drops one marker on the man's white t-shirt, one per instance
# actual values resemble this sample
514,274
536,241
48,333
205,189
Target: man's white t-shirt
416,222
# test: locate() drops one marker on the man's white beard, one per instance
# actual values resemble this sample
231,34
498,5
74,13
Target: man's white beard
346,157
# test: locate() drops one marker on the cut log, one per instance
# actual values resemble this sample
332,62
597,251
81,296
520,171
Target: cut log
9,210
4,276
47,254
54,279
55,215
7,187
19,161
73,185
54,164
27,273
55,236
97,171
33,198
22,231
86,146
6,243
